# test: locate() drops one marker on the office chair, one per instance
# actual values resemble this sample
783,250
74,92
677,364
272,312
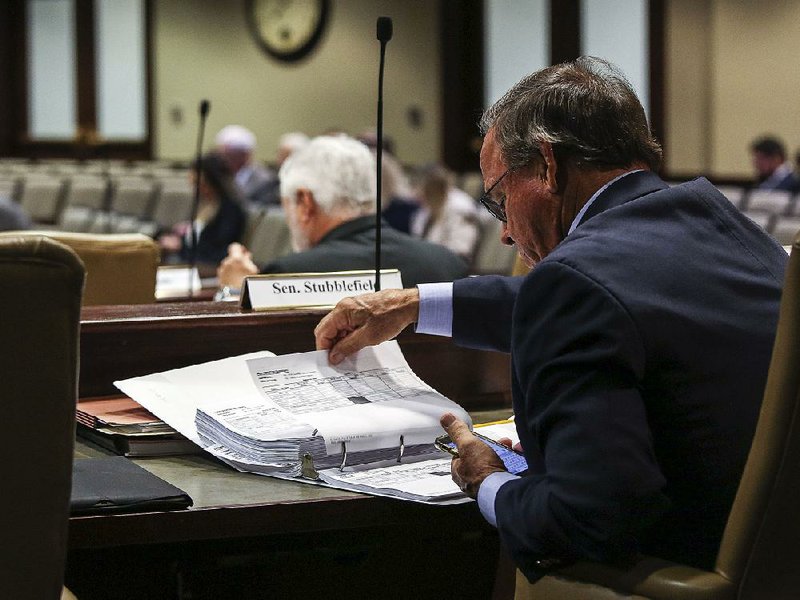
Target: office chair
759,555
120,268
40,308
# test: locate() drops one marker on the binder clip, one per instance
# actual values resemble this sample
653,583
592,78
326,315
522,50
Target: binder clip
307,469
344,456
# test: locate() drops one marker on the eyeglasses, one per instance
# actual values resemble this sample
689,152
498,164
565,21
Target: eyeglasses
496,209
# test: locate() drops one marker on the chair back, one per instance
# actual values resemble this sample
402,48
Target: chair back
120,268
39,333
761,545
267,237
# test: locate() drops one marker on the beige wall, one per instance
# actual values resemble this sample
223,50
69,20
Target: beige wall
204,50
732,74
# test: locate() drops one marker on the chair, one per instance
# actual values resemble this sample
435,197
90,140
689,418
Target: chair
39,333
491,256
133,196
785,229
773,202
120,268
735,194
762,219
41,197
174,203
269,236
760,549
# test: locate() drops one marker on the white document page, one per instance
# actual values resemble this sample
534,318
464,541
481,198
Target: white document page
369,400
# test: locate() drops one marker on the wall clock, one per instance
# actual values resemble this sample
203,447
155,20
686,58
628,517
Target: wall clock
287,29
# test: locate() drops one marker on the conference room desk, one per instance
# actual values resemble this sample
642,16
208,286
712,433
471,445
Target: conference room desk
248,536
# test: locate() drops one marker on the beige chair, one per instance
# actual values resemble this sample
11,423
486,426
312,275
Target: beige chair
491,256
773,202
120,268
40,311
267,235
42,197
759,556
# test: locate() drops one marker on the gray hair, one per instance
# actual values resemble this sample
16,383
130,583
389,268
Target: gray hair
338,170
586,109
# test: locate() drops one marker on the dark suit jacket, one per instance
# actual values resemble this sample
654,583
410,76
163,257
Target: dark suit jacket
351,246
640,349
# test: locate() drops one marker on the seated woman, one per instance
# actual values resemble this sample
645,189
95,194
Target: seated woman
220,217
448,216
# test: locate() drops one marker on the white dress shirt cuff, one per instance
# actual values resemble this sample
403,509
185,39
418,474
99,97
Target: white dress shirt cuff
435,309
487,493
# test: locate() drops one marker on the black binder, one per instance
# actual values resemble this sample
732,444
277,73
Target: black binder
115,484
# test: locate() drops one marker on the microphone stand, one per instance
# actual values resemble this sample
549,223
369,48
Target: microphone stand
384,34
204,108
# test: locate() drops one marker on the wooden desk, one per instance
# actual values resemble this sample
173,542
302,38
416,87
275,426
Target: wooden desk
249,536
126,341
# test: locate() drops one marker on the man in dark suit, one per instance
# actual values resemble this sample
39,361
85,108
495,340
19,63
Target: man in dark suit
640,340
773,171
328,196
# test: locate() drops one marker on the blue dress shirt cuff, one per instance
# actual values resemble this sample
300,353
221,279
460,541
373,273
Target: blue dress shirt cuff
435,309
487,493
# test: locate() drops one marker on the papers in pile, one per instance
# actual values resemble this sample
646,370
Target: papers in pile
365,425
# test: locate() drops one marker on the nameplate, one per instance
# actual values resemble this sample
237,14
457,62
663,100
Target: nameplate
288,291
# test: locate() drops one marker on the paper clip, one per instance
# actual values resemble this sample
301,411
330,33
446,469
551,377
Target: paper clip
344,456
401,450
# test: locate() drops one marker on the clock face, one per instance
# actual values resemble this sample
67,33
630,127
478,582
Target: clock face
287,29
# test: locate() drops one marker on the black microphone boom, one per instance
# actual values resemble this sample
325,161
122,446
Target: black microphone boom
204,108
384,34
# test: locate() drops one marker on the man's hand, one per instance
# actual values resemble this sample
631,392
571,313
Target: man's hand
236,266
365,320
475,462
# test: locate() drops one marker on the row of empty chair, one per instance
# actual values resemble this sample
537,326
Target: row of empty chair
100,203
776,211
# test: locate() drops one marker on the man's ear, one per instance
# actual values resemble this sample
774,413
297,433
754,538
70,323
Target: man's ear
551,167
305,205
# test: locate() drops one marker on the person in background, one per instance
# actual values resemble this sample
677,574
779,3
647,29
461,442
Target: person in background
398,203
448,215
328,195
638,370
220,220
773,171
236,145
12,217
288,144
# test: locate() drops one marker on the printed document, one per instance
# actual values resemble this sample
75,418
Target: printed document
367,424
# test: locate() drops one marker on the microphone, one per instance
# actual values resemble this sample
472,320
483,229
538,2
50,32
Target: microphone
384,34
204,108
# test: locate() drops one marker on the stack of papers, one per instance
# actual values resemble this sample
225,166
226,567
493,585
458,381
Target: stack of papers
367,424
125,427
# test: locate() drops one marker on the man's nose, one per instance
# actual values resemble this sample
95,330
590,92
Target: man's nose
505,237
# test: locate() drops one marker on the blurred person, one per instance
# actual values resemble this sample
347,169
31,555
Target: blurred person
448,215
12,217
236,145
220,218
328,195
773,171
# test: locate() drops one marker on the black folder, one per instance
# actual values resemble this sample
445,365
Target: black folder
115,484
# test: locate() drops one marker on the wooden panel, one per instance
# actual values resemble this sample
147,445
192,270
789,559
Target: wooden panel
118,342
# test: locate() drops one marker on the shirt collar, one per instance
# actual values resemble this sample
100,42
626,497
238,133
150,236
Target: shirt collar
594,197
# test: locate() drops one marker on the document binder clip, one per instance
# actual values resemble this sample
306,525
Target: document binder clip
307,469
401,450
344,456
